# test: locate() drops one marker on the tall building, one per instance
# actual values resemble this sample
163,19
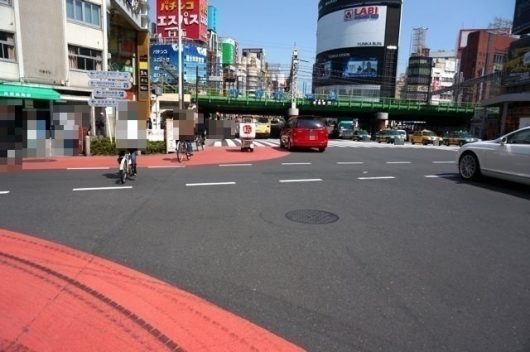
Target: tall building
513,103
48,48
443,73
357,48
484,54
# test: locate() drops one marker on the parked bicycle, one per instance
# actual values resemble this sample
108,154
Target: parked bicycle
184,150
199,142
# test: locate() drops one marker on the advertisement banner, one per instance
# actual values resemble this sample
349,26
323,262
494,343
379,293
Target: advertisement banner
194,19
164,63
354,27
349,66
328,6
517,67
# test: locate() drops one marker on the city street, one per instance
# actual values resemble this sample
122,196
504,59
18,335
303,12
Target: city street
371,248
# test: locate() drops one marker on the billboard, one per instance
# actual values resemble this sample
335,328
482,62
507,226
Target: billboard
521,17
328,6
353,27
517,67
349,66
194,19
164,63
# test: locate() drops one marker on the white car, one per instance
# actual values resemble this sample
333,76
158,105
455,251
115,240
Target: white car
507,157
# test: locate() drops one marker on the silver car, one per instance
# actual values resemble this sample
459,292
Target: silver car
507,157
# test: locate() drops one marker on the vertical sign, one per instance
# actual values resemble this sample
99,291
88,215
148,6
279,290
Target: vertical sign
194,19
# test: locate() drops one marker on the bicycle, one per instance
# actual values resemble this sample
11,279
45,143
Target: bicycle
126,166
199,142
183,151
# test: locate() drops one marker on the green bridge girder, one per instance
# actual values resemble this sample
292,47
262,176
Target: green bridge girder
397,109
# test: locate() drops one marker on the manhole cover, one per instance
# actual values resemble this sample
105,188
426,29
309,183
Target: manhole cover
311,216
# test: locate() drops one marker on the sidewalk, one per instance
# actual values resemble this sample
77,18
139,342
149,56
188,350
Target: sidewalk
208,156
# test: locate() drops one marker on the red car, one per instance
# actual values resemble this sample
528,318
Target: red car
304,132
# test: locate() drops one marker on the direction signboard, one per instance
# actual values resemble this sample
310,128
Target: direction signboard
115,75
106,93
103,102
98,83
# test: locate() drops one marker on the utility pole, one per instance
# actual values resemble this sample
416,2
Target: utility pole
293,111
179,15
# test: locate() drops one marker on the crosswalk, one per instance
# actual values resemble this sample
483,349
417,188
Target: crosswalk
333,143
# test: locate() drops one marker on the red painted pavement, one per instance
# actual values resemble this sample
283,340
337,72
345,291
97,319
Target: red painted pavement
215,155
54,298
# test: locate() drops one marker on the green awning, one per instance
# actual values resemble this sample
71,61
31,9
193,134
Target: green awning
16,91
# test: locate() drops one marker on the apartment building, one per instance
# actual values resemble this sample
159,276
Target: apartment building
47,48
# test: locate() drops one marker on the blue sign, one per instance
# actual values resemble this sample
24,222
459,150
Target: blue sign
164,63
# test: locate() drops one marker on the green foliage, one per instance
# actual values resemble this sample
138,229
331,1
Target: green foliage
102,146
158,147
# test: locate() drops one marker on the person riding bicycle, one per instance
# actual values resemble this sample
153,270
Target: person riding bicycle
133,153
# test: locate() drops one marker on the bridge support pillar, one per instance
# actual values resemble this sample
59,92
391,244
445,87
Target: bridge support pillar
381,120
293,111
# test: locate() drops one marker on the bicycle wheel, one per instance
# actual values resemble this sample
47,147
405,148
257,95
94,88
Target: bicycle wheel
179,152
123,176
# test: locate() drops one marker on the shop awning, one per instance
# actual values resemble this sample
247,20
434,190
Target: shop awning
17,91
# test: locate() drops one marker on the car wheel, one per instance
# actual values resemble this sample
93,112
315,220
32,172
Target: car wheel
460,143
289,145
321,150
412,141
281,144
468,166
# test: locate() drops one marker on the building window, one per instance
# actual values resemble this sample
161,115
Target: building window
7,46
5,2
83,11
84,58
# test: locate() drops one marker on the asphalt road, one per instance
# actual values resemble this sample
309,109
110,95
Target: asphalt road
417,260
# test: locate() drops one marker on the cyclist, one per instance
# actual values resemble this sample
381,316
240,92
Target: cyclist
134,156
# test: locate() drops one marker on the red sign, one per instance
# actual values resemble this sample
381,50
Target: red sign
194,19
247,129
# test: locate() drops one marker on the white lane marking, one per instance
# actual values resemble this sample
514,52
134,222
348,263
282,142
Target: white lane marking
4,192
100,188
260,144
230,143
228,165
296,163
440,175
87,168
398,162
350,162
444,162
209,184
217,144
165,166
376,178
269,143
302,180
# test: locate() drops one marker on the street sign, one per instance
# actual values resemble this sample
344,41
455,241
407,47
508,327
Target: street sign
109,84
115,75
105,93
103,102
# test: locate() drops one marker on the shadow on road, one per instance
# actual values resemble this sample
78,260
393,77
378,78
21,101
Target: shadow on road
492,184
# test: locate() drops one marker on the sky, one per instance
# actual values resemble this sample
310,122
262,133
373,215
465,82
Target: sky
278,26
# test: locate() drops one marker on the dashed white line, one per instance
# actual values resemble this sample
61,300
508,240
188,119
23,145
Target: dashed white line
440,175
166,166
4,192
376,178
229,165
302,180
444,162
100,188
296,163
350,162
87,168
209,184
398,162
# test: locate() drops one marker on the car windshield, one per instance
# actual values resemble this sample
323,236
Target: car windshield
361,132
392,132
465,135
263,120
429,133
346,125
310,123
